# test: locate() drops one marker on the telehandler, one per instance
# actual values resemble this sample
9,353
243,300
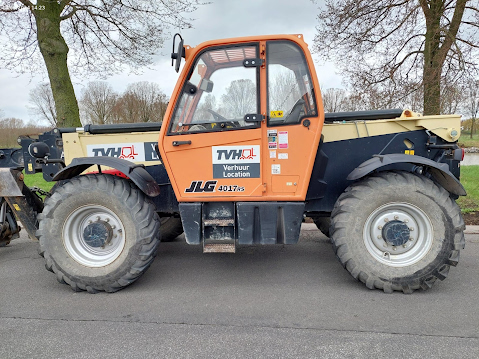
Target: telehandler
245,152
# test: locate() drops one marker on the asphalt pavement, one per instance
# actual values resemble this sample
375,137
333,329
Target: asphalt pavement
262,302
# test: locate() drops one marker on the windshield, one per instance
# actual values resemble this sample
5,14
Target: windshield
220,91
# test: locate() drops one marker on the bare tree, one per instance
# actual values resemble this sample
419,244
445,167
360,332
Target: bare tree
239,99
151,101
206,103
283,89
12,128
9,131
393,42
125,109
452,96
42,104
413,97
354,101
472,102
334,99
374,98
142,102
97,103
104,36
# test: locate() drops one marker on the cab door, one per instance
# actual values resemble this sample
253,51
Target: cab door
210,151
295,119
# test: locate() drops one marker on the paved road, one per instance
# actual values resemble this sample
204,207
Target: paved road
272,302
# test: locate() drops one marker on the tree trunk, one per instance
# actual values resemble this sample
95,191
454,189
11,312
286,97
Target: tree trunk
432,61
432,88
54,51
437,44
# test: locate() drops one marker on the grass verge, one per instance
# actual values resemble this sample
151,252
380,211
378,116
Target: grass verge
466,141
37,180
470,181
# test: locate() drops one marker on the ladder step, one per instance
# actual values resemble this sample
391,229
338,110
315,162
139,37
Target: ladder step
219,248
219,222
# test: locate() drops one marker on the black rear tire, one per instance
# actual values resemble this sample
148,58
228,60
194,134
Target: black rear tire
323,224
397,231
98,233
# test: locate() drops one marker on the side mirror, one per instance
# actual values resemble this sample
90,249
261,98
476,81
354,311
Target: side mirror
180,52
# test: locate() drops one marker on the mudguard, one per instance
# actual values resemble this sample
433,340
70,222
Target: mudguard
137,173
439,171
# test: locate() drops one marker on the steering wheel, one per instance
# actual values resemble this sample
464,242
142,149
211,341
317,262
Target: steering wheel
297,104
217,116
293,115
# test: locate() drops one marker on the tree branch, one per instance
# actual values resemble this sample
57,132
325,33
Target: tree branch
468,43
425,8
10,10
70,14
398,52
401,23
453,28
472,9
473,24
27,3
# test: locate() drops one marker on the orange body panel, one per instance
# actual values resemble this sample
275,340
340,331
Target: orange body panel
285,165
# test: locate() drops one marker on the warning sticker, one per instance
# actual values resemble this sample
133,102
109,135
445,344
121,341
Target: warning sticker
272,154
283,139
275,169
282,156
276,114
272,139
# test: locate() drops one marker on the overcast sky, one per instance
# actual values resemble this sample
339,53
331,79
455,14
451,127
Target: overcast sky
220,19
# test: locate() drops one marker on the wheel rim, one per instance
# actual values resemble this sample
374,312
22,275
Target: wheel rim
398,234
93,236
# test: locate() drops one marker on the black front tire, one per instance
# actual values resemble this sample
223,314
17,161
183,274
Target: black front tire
397,231
171,228
98,233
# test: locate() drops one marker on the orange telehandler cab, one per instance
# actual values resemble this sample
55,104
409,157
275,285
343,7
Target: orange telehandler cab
247,153
237,140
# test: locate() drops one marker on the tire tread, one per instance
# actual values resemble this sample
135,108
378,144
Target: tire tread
142,209
347,204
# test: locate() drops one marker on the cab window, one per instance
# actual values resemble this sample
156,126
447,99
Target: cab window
219,92
290,91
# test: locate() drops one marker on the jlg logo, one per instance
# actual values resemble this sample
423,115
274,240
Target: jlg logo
196,187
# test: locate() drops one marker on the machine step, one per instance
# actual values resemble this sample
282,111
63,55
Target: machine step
219,222
219,248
